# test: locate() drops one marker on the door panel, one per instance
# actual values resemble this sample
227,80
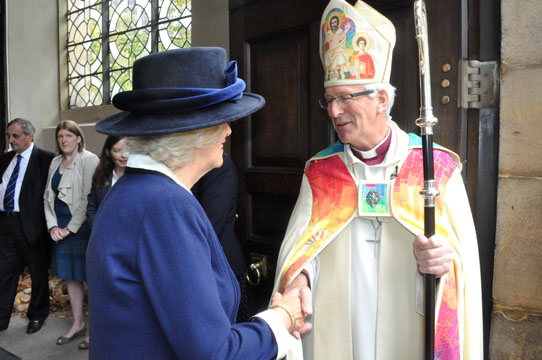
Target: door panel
286,57
276,45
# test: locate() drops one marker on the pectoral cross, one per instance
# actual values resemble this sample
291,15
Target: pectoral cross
376,240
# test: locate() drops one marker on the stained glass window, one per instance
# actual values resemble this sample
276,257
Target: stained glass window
106,37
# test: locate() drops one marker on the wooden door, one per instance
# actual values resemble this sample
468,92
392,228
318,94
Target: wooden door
276,45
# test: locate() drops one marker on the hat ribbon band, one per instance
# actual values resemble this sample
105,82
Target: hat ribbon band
181,99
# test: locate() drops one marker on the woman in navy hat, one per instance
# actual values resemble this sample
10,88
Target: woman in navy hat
160,286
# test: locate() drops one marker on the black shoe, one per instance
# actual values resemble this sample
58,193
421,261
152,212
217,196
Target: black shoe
63,340
34,326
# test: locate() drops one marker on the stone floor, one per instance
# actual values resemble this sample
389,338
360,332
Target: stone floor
40,345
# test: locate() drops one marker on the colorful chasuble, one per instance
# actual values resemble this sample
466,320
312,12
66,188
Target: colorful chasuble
334,204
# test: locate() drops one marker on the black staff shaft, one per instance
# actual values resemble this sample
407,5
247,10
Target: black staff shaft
426,121
429,230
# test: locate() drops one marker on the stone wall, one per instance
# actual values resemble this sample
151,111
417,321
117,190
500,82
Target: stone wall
32,63
516,328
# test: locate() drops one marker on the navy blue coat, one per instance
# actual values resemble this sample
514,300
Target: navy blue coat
160,286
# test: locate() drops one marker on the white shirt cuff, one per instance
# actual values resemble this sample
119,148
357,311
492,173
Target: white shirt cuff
282,336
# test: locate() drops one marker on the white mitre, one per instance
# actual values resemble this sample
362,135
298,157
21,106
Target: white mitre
356,44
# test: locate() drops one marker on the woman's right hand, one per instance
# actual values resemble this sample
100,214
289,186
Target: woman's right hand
293,306
58,234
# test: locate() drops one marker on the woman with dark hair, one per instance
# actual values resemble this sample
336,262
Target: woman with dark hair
113,161
65,204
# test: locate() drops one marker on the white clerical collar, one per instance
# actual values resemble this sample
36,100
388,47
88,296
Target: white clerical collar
139,161
372,153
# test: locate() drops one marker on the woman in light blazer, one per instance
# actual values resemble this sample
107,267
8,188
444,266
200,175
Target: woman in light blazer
65,202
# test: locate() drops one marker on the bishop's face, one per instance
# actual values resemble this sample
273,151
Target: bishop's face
358,121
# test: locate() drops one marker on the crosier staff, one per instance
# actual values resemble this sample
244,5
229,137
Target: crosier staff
426,121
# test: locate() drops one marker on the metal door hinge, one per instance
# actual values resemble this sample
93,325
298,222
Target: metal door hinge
478,84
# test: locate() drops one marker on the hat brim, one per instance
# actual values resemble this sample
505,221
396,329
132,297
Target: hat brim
146,124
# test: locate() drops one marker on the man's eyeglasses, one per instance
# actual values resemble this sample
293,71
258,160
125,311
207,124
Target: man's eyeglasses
342,99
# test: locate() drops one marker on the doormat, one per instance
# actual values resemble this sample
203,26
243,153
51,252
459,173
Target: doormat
6,355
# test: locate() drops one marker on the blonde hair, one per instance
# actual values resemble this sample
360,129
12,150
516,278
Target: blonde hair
72,127
173,150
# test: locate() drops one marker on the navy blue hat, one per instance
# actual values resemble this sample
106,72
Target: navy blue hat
180,90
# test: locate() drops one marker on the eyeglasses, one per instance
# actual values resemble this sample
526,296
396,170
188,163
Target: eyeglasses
342,99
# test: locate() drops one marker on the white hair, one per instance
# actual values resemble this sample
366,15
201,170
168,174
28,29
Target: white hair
173,150
389,88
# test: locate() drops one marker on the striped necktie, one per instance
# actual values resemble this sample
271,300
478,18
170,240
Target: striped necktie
9,196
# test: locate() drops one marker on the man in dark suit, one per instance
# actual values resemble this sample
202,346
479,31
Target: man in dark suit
23,233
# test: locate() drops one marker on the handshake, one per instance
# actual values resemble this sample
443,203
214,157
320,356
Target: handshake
294,305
